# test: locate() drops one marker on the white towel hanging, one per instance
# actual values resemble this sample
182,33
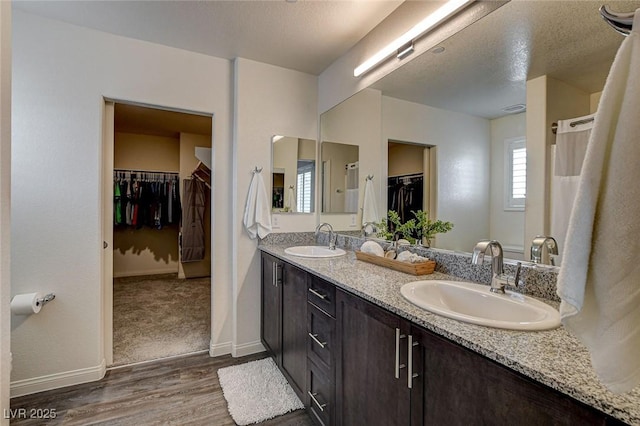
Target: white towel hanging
291,200
599,282
257,210
369,206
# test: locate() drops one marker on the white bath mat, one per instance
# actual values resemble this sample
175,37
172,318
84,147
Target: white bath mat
257,391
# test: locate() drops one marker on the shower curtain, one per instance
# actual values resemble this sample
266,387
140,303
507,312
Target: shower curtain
351,184
570,148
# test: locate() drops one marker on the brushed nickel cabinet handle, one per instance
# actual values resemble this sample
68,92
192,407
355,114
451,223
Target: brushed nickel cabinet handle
278,274
313,397
273,274
410,374
318,294
315,339
398,366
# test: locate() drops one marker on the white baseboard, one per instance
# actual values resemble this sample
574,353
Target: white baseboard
219,349
58,380
145,272
247,349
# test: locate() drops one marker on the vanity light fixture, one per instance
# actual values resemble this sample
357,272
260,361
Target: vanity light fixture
395,47
405,50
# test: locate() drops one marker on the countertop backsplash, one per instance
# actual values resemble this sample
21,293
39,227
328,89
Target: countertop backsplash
535,280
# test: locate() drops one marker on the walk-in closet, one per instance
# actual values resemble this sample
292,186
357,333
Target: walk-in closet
161,233
408,179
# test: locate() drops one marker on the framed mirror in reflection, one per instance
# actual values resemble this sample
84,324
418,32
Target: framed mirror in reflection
477,96
340,177
293,171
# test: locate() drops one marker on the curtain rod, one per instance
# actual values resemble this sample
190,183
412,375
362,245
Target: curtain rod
554,126
411,175
146,171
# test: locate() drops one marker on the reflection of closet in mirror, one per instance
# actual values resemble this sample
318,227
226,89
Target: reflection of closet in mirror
293,166
340,177
408,183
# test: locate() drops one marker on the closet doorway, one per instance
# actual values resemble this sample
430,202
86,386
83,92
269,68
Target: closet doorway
410,179
157,229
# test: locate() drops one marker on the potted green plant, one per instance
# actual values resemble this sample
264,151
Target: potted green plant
419,230
426,228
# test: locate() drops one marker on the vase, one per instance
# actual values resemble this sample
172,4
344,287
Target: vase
425,242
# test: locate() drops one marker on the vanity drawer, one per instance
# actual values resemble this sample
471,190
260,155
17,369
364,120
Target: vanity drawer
322,294
320,392
320,341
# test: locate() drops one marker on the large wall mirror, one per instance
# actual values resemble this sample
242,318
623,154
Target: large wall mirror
293,171
482,103
350,135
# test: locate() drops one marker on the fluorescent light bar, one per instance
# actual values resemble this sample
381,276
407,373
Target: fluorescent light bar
445,11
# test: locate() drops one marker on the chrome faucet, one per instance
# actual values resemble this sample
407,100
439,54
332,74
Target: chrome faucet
499,279
332,235
537,246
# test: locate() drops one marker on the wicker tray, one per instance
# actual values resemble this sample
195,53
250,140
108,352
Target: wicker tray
422,268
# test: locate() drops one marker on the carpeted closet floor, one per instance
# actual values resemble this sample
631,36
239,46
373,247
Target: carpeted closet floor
158,316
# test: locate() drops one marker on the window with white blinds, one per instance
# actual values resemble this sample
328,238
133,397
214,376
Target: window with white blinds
304,196
515,174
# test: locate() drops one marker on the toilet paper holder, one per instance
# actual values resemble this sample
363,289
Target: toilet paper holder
46,299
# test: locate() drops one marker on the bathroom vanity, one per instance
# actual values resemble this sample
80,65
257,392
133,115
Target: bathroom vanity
357,353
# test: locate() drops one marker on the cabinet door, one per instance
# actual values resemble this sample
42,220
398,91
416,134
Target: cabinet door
294,328
371,374
271,312
455,386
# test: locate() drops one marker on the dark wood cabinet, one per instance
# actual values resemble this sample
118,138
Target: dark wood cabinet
456,386
321,394
294,328
321,350
371,370
355,363
283,320
271,306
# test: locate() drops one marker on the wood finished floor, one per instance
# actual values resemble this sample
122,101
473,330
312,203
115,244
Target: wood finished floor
181,391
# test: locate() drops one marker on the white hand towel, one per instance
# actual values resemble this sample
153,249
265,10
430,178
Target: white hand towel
369,206
599,282
291,200
257,210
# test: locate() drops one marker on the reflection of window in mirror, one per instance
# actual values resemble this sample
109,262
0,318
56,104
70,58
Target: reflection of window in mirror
515,174
306,172
293,163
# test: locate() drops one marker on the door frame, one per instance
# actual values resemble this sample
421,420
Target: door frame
106,184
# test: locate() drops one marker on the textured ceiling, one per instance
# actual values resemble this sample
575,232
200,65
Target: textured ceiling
302,35
485,66
483,69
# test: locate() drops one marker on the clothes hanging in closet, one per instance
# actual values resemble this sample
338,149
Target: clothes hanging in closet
146,199
192,238
404,195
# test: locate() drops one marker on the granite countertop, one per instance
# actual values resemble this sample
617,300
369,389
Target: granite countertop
554,358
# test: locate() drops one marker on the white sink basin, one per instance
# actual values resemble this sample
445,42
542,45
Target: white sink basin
474,303
314,251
